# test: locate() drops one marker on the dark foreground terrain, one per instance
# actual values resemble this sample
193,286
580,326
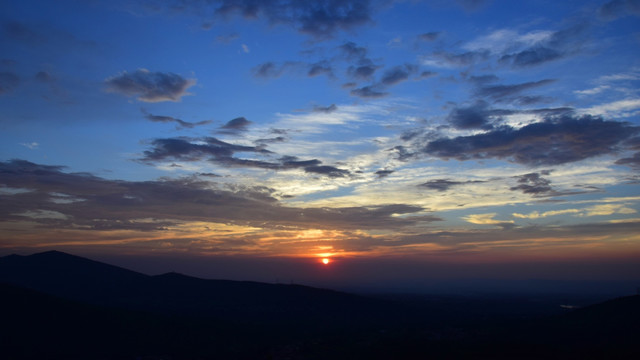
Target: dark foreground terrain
59,306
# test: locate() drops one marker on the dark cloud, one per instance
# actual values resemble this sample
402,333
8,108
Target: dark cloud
633,161
211,149
320,68
506,93
274,140
559,45
325,109
320,19
270,69
619,8
222,153
8,82
44,77
101,204
362,67
329,171
427,74
476,116
429,36
352,51
463,59
150,86
446,184
225,39
266,70
483,79
363,72
236,125
170,119
398,74
472,5
369,91
533,183
23,33
384,173
557,140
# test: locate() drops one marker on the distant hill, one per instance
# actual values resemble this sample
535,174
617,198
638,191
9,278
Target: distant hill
56,305
80,279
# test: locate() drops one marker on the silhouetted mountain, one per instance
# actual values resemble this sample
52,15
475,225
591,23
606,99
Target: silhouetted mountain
81,279
64,306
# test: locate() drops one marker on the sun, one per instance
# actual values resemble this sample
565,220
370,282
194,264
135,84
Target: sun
326,261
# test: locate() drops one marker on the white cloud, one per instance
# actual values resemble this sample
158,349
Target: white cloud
485,219
245,48
620,108
32,145
505,39
43,214
592,91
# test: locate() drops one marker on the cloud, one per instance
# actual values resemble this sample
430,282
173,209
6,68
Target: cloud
487,219
592,91
506,93
329,171
32,145
270,69
245,48
538,215
227,38
556,140
170,119
109,205
320,19
472,5
320,68
325,109
369,91
44,77
384,173
558,45
235,126
429,36
533,183
446,184
398,74
633,161
619,8
607,209
595,210
448,59
222,153
352,51
188,149
8,82
150,86
21,32
619,108
476,116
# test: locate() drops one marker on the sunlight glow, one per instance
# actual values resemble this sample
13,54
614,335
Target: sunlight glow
326,261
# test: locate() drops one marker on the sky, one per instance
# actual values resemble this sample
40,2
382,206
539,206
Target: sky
407,141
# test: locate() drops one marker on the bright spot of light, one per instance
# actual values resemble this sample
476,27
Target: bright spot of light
325,261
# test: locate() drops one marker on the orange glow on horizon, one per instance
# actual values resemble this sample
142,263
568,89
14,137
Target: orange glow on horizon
326,261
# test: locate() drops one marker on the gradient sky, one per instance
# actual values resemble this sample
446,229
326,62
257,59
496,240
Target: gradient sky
404,139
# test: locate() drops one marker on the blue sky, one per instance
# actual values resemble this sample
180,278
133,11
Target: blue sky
450,131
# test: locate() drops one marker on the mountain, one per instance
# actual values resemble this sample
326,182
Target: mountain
56,305
80,279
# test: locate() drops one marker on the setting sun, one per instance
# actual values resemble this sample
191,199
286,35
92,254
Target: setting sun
325,261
